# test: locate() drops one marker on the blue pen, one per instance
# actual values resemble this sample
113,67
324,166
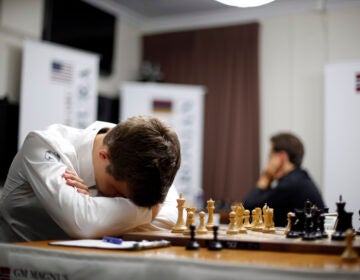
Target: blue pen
113,240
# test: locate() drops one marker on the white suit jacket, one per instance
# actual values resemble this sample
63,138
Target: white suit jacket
36,203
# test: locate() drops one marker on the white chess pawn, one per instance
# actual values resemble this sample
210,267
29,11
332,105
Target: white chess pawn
211,208
247,219
349,253
202,228
232,229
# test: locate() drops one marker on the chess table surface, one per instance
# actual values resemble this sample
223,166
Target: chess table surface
252,240
275,259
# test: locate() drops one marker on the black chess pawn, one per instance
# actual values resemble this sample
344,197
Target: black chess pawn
215,244
193,244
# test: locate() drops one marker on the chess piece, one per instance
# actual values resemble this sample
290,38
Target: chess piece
247,224
322,226
309,228
288,227
262,217
240,218
215,244
253,219
308,233
349,253
189,220
293,232
358,231
232,229
211,208
180,224
258,225
344,221
193,244
268,221
202,228
319,224
299,222
234,209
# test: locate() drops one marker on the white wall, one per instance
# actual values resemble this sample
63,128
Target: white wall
292,57
294,50
18,19
22,16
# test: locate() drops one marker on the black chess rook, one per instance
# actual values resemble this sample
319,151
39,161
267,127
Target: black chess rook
344,221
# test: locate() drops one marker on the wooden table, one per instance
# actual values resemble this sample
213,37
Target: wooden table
39,260
262,258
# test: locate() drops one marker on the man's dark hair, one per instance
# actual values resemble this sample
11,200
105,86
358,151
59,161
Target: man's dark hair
144,153
290,144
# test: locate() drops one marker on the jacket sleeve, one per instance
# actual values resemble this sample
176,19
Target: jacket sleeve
167,217
79,215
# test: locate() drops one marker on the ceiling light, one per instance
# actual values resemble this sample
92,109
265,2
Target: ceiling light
245,3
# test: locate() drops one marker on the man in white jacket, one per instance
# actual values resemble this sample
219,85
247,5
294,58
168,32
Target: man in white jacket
85,183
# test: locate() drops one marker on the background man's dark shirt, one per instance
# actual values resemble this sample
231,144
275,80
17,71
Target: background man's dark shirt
291,192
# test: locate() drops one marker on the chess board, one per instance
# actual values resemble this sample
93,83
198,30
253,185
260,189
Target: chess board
252,240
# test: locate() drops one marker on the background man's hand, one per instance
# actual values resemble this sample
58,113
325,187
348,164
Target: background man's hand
271,171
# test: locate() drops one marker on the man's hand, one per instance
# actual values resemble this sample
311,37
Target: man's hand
274,165
270,173
75,181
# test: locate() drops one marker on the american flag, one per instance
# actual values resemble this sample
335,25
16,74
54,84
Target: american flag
61,72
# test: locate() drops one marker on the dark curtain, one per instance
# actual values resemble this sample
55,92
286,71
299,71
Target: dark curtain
225,61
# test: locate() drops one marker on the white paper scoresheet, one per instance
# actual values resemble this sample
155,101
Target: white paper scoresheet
125,245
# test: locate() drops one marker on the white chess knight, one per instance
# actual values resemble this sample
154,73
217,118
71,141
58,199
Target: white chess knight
232,229
240,210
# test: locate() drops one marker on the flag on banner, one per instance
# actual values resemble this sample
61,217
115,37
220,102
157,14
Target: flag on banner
162,106
357,83
61,72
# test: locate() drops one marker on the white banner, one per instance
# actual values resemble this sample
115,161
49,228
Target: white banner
59,85
342,137
182,106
